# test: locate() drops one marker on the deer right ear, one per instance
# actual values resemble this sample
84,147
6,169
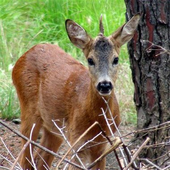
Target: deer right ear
126,32
77,34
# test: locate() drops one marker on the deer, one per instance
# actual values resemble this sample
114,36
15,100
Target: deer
52,85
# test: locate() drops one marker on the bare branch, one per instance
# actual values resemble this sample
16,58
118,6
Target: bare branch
63,135
137,153
154,47
30,146
39,146
21,152
148,161
116,143
94,124
151,129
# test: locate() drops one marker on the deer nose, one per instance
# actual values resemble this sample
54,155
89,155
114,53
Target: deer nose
104,87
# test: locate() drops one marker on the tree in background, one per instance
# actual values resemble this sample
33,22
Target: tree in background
150,65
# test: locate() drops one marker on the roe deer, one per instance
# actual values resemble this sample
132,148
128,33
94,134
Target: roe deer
51,85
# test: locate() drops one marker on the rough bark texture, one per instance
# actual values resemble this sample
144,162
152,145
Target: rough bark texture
151,69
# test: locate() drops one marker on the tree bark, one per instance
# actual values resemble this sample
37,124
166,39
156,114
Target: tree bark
150,66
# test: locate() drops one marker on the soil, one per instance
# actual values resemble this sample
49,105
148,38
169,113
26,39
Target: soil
10,146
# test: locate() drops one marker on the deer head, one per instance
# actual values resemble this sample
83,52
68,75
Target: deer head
102,53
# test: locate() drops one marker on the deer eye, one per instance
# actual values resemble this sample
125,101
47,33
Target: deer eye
115,61
90,62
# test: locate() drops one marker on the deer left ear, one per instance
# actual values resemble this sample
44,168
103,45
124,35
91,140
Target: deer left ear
77,34
126,32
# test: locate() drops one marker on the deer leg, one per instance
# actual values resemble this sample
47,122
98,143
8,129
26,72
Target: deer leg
89,156
27,121
51,142
100,165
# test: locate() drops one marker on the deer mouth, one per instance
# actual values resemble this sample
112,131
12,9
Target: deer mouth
104,93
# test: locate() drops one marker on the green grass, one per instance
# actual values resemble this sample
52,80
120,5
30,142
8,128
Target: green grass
29,22
124,93
8,103
26,23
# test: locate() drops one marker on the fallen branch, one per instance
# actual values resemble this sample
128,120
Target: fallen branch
125,148
87,130
153,46
39,146
149,162
150,129
5,158
116,143
137,153
21,152
30,146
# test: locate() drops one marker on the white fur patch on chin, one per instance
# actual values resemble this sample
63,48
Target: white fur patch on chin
105,94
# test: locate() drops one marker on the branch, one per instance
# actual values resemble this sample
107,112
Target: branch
21,152
137,153
30,146
116,142
87,130
39,146
150,129
152,46
64,137
126,149
149,162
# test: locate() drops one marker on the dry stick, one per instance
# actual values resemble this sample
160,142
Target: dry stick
149,162
154,45
30,146
116,144
166,167
166,154
8,151
137,152
45,164
110,129
157,145
21,152
157,127
126,149
129,155
164,125
6,159
39,146
65,138
80,148
87,130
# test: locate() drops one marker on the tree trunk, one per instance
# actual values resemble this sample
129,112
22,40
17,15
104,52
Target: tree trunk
150,66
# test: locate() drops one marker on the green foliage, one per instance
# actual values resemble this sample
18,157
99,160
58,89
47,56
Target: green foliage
124,93
29,22
26,23
8,103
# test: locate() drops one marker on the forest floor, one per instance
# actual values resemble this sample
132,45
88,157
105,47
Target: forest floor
12,142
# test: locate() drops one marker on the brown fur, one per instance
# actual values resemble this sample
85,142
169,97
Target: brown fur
51,85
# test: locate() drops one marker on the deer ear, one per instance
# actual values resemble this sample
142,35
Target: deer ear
126,32
77,34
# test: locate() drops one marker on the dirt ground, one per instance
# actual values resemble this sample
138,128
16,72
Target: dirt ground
10,141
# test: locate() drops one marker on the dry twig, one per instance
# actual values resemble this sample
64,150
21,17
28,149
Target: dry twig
39,146
116,143
71,148
154,47
21,152
137,153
